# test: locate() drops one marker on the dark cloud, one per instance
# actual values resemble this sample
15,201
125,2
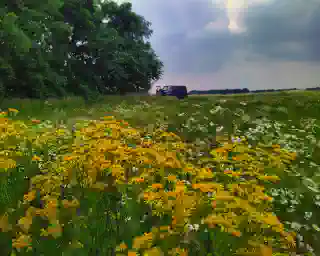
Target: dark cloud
176,16
279,30
180,38
196,55
284,30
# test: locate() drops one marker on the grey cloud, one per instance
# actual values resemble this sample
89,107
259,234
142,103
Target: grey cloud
284,30
179,36
170,17
197,55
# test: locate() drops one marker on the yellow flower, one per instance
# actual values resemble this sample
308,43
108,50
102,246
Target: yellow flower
180,188
164,228
13,110
292,155
4,223
236,233
265,250
206,187
44,232
215,220
52,203
35,121
99,186
132,253
122,246
271,219
155,251
157,185
68,158
7,163
144,241
179,252
188,168
21,242
267,198
55,230
171,194
25,223
174,221
220,150
236,174
228,171
108,117
205,174
272,178
36,158
70,204
30,196
137,180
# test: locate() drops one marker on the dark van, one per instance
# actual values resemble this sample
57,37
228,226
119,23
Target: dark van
179,91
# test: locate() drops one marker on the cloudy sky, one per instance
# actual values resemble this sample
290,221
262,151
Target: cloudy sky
210,44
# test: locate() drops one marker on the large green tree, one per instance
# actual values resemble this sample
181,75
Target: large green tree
76,47
28,32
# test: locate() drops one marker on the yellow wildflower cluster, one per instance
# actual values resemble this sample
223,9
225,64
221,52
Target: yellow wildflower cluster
101,156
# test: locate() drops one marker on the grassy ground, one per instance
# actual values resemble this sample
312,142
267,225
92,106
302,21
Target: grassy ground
288,119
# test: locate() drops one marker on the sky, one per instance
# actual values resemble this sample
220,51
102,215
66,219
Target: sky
254,44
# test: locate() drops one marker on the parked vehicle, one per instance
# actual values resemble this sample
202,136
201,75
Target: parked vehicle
179,91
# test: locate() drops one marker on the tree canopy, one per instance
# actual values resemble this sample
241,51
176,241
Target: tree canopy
55,48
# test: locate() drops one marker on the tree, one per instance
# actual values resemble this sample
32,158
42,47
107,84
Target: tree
76,47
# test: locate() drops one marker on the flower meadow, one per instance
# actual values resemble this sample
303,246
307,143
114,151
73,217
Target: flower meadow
103,187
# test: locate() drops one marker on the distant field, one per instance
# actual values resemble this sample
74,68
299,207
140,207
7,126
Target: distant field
304,92
289,119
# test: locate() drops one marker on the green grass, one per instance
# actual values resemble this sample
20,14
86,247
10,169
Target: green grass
291,119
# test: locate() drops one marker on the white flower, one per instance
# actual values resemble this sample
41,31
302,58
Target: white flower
299,237
309,248
220,128
216,110
307,215
291,209
296,226
316,227
295,202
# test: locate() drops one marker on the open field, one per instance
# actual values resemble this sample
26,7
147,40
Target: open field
273,125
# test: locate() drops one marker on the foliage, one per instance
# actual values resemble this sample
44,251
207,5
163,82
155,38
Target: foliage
59,48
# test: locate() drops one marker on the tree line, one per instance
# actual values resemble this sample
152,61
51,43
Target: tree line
245,90
58,48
